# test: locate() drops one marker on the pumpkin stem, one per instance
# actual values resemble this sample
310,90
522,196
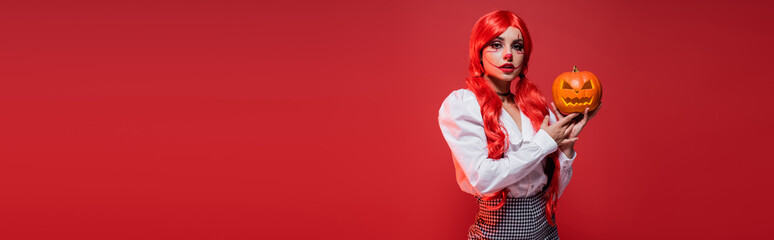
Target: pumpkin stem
574,69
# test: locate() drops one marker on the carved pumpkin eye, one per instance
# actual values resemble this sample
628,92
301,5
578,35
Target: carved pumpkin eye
587,85
566,86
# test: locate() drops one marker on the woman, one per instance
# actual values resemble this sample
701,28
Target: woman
504,149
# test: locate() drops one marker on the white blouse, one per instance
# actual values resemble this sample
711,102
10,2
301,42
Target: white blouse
521,170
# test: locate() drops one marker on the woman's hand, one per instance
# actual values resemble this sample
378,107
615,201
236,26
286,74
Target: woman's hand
577,126
560,130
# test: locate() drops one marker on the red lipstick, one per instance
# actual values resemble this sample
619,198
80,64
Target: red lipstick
507,68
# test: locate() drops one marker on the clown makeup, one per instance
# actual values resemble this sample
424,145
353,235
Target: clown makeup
502,56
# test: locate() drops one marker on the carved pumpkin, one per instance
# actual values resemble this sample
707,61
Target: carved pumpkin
575,91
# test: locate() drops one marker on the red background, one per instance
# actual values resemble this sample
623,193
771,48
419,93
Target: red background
318,120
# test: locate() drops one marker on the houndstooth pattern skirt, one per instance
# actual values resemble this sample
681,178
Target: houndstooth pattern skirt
518,218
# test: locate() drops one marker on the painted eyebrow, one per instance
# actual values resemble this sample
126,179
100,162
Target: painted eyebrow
517,40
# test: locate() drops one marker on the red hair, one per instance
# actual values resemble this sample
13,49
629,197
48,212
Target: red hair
526,94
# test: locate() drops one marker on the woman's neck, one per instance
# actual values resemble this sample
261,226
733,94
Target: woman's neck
498,86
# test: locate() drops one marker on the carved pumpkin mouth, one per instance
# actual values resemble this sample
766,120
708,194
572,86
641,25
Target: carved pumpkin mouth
577,101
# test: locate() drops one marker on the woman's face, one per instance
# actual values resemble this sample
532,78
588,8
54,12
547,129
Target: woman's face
502,56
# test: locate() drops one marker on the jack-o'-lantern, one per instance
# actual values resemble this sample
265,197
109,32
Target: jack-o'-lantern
575,91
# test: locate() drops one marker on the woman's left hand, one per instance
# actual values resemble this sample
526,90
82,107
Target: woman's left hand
578,126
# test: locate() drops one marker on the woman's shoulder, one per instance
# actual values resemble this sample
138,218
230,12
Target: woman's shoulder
460,96
460,102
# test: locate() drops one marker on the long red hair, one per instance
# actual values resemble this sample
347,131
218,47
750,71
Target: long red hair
526,95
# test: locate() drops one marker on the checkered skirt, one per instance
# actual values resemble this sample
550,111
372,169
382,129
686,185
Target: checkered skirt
518,218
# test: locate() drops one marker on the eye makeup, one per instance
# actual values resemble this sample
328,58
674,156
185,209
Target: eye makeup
497,44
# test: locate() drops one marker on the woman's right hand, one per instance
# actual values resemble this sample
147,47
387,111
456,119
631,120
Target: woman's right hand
560,130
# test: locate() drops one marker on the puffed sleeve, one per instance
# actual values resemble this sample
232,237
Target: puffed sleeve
462,126
565,162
